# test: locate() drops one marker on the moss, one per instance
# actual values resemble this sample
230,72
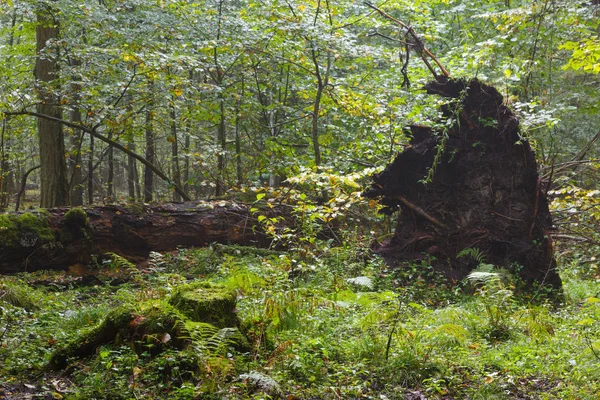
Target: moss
26,230
89,339
75,225
19,294
203,302
144,327
76,217
156,325
9,235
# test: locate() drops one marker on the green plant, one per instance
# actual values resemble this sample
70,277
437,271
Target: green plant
497,300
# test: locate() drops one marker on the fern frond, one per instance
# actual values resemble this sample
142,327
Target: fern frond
482,276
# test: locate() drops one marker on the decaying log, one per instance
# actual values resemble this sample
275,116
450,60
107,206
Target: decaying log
60,237
483,193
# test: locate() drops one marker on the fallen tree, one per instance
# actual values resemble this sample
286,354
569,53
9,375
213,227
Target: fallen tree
60,237
470,188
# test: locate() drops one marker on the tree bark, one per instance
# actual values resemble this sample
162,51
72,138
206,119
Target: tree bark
131,173
66,237
54,185
110,187
76,183
150,155
222,140
176,174
91,173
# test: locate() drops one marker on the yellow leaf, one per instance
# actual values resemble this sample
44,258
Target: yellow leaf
178,92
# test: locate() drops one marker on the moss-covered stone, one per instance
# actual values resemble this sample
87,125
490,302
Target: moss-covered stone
26,230
203,302
75,225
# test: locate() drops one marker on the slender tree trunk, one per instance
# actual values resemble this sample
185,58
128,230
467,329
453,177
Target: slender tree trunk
150,156
238,144
110,187
322,82
222,140
90,177
54,185
138,186
76,184
186,164
131,175
176,172
3,168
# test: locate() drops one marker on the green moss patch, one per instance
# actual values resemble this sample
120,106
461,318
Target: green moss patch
75,225
203,302
199,314
25,230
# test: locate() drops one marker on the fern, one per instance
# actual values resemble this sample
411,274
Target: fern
474,253
209,340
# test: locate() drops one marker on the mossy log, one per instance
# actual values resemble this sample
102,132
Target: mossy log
155,325
60,237
471,187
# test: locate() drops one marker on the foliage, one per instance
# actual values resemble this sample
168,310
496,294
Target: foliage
315,332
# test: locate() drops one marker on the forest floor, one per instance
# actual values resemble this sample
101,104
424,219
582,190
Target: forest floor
322,323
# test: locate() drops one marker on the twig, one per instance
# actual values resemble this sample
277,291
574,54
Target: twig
420,211
505,216
570,237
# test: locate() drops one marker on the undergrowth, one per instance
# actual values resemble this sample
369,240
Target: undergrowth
325,319
326,327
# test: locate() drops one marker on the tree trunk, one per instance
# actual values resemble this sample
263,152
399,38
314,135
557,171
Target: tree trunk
222,140
76,183
110,187
150,156
176,174
131,174
90,177
322,82
186,164
54,185
61,237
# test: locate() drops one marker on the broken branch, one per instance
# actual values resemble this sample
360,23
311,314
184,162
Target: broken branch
416,38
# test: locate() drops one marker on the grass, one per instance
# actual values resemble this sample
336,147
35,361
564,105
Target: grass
312,329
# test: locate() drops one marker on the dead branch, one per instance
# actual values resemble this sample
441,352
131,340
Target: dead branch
423,49
421,212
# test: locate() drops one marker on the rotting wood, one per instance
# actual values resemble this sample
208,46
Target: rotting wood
63,236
